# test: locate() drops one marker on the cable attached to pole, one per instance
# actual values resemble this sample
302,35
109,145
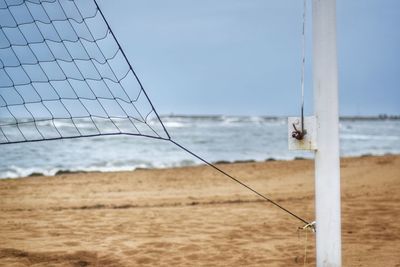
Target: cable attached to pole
300,133
239,182
303,63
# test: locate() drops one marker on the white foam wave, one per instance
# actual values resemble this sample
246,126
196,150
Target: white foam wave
174,124
17,172
369,137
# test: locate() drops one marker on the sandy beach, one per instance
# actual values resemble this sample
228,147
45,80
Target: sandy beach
194,216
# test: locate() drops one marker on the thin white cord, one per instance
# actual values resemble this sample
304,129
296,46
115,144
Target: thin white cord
303,64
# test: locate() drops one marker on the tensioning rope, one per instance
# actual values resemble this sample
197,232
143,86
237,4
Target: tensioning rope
303,63
239,182
300,133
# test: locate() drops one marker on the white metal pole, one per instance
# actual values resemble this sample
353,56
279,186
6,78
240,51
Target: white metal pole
327,162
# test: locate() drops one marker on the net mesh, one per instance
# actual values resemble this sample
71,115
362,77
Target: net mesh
64,75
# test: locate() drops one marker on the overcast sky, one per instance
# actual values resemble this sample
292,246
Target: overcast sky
242,57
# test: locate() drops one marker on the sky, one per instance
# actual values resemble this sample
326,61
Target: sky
243,57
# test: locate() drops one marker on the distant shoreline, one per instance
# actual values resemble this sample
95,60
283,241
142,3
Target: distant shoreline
217,116
219,162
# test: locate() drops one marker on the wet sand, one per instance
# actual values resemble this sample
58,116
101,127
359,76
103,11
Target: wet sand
194,216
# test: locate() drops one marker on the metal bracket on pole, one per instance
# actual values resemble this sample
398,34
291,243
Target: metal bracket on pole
308,140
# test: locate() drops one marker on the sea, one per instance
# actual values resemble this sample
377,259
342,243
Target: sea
215,138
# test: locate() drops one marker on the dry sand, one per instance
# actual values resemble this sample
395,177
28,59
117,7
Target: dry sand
196,217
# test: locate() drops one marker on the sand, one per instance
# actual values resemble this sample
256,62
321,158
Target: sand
196,217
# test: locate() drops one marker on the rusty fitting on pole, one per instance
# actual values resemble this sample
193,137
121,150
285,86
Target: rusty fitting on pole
297,134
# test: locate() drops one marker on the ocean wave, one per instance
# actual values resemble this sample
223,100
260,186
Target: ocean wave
17,172
174,124
368,137
251,120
